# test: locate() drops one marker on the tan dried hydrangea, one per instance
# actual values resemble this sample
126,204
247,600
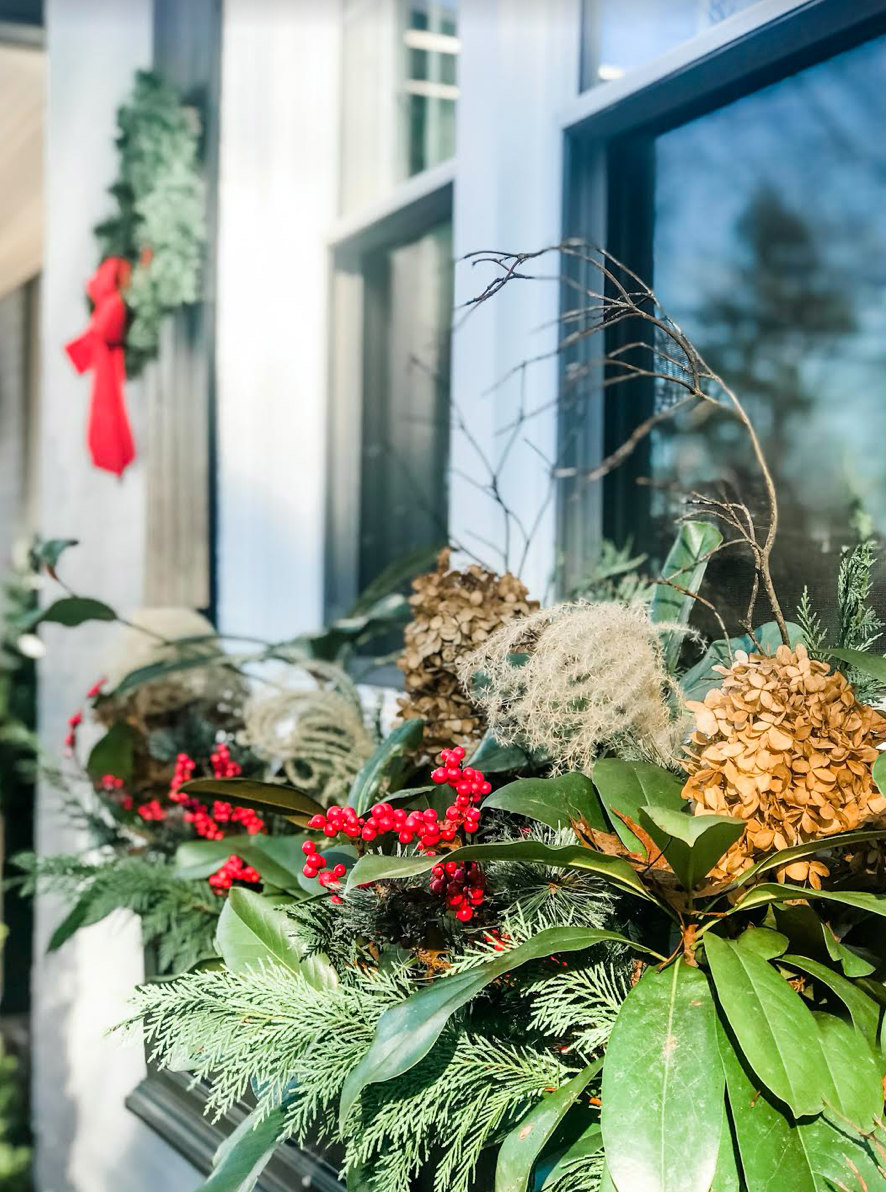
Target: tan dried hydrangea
453,612
785,745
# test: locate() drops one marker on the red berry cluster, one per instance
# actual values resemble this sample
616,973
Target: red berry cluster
234,870
316,866
223,765
206,823
463,887
152,811
110,782
74,723
470,787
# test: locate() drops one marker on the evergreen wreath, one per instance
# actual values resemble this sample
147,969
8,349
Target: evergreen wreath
160,225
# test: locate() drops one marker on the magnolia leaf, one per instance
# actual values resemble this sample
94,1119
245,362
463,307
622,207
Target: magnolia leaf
811,936
873,904
407,1031
772,1024
552,1168
244,1154
726,1176
114,752
691,844
781,1155
870,664
702,677
856,1079
557,802
523,1145
160,670
252,931
82,914
196,859
663,1084
72,611
491,757
386,765
375,867
47,554
862,1009
686,564
879,773
265,796
395,576
808,849
762,941
627,786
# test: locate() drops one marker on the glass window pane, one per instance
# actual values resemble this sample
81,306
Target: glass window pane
400,85
770,252
618,35
408,309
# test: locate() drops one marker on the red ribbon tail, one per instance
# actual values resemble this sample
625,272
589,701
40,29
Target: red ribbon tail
109,435
80,350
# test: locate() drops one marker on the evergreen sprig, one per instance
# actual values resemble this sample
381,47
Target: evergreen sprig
159,225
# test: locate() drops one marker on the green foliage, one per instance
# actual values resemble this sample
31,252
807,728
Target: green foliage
581,1004
178,917
15,1150
617,574
626,787
702,677
159,225
385,769
684,568
556,801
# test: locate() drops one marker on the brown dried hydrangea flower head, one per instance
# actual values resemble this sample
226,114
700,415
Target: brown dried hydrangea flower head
785,745
591,678
453,612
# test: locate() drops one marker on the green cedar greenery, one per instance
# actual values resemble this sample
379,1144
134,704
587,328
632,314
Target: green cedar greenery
159,224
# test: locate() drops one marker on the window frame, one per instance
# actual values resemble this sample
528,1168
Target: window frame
412,209
608,189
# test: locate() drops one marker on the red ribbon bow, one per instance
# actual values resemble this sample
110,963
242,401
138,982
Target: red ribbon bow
100,348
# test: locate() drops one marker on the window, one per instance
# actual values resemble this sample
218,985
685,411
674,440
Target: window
760,218
619,35
400,88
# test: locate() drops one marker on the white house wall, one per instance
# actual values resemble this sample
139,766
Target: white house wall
87,1141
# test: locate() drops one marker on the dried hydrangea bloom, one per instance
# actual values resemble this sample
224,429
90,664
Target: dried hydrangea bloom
785,745
453,612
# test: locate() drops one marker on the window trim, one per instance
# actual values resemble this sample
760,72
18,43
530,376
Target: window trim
409,211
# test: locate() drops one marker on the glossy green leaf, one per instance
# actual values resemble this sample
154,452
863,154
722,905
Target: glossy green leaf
871,664
252,931
606,1184
727,1177
628,786
808,849
114,753
243,1156
248,792
686,564
855,1077
780,1155
491,757
161,670
386,765
663,1085
772,1024
198,859
691,844
556,802
339,854
47,554
702,677
84,913
72,611
550,1170
872,904
407,1032
862,1009
879,772
811,936
395,577
521,1148
376,867
762,941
